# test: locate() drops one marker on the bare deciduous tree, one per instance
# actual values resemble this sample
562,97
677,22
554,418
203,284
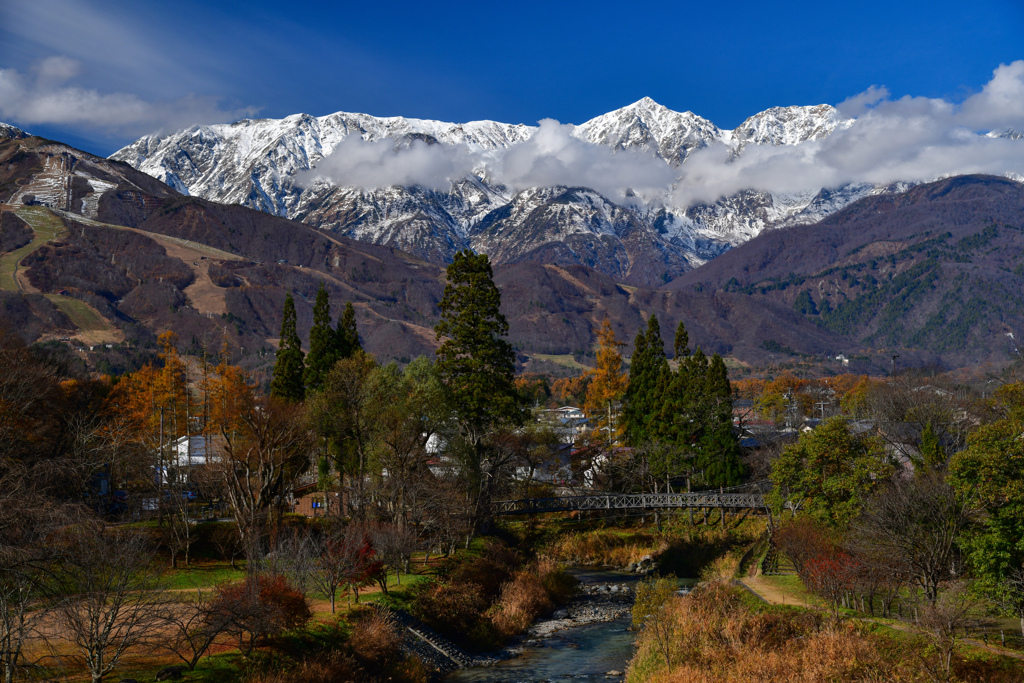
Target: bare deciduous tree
193,625
915,521
393,546
264,454
943,622
904,407
108,602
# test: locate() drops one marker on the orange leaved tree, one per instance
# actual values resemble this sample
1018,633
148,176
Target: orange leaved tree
607,387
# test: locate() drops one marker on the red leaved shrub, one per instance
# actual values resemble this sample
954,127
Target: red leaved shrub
259,608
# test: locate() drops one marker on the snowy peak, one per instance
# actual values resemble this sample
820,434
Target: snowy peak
256,163
649,126
9,132
253,161
788,125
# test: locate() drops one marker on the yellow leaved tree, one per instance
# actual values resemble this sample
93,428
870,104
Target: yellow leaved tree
607,387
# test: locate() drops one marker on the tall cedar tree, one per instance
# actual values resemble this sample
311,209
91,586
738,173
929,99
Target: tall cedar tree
646,368
346,336
474,361
323,347
608,386
690,409
720,457
287,384
478,367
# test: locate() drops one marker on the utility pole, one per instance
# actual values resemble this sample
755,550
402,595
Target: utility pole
160,473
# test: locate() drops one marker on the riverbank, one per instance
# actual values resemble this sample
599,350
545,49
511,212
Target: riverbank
595,604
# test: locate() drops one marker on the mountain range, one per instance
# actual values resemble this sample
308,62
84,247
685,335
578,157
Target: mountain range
96,252
266,164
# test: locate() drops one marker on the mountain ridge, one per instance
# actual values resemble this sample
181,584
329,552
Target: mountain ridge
255,163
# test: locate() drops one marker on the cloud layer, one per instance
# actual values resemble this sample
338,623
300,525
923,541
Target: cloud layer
48,95
551,156
907,139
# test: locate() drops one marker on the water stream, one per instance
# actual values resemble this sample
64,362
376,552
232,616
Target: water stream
582,653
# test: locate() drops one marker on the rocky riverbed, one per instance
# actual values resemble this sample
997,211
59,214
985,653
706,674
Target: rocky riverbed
595,603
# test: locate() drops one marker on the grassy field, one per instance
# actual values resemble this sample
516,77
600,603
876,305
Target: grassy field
84,316
46,226
565,360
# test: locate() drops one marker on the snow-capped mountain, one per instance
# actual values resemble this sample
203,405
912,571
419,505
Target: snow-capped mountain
648,126
788,126
9,132
256,163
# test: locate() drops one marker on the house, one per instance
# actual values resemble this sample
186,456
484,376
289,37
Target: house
555,469
569,422
308,500
193,451
185,453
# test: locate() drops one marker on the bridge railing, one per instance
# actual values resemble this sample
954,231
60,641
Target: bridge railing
631,501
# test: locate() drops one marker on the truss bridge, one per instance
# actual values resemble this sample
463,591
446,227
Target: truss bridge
633,501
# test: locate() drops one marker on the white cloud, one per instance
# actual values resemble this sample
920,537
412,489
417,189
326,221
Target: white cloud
858,104
383,163
48,97
551,156
909,139
913,139
1000,104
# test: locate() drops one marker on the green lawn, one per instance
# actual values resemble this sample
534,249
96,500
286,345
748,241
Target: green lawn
203,575
46,226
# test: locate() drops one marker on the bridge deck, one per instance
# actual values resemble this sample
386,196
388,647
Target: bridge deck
631,501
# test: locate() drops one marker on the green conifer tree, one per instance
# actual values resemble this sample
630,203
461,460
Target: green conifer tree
932,454
323,349
646,369
682,342
346,336
478,367
288,369
719,449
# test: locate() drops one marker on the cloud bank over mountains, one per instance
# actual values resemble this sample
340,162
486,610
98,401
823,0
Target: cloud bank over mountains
549,157
883,140
48,95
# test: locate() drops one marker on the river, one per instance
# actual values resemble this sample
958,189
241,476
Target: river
584,654
579,653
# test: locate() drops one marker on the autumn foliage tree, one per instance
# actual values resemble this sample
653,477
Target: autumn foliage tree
259,607
607,387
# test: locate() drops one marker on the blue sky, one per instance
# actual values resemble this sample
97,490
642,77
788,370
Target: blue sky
100,73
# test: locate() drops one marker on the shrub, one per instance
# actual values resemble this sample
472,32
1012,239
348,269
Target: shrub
713,636
522,599
451,608
802,539
605,547
375,641
482,601
831,577
259,608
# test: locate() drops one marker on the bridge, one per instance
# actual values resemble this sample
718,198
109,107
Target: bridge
632,501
